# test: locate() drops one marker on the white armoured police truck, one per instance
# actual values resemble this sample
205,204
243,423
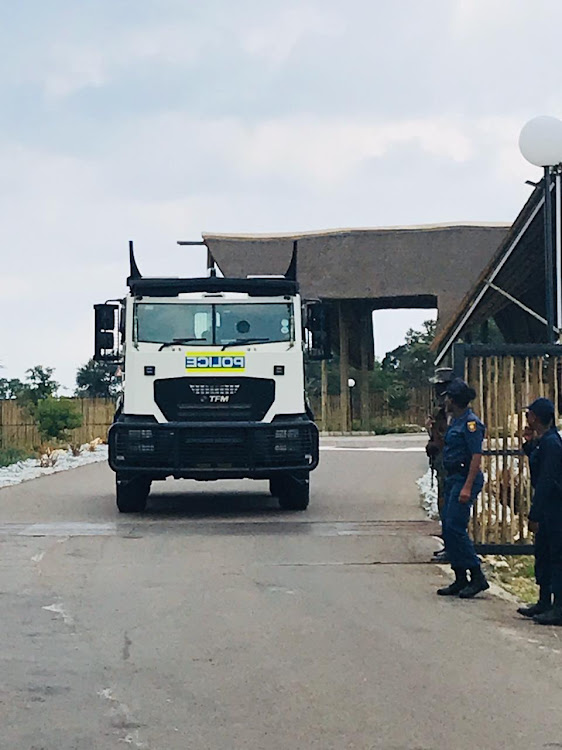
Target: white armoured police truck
213,382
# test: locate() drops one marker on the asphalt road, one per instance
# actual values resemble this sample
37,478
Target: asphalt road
215,621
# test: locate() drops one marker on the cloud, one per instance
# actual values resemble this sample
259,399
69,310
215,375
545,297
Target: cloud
175,155
325,151
155,121
72,67
14,287
275,39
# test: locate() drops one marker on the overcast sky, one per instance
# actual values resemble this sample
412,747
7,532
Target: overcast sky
158,119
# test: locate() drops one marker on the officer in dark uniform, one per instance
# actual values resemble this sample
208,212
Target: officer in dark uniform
436,425
462,455
545,516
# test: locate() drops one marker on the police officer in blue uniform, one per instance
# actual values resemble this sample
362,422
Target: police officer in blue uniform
462,455
545,517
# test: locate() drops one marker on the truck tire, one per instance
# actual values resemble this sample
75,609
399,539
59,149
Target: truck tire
132,494
294,491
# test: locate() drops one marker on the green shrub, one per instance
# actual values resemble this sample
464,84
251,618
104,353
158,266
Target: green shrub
55,417
13,455
390,426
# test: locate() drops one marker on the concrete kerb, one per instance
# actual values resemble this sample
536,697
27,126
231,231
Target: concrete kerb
360,433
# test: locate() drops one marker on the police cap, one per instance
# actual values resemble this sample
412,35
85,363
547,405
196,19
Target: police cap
543,408
458,389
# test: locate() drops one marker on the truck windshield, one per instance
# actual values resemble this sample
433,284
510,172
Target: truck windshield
216,324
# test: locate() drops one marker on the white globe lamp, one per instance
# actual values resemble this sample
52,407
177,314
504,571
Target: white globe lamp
540,141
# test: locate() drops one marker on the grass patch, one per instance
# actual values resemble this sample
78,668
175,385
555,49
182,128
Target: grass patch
515,573
13,455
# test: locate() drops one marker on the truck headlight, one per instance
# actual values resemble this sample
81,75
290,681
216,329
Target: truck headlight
141,441
287,440
291,434
138,435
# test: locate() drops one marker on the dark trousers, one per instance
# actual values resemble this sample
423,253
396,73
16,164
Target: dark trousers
456,516
548,556
542,558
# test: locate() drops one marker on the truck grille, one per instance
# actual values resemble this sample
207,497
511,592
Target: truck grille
214,399
222,448
215,389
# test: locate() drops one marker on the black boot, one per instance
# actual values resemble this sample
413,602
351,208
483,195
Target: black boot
458,584
440,556
553,616
543,605
477,584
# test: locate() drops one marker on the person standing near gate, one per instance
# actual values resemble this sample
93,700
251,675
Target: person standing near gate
436,425
462,456
545,516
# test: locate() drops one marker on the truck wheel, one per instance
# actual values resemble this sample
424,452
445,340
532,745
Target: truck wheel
132,494
294,491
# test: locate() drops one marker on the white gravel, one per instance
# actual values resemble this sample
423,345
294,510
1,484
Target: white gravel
428,492
22,471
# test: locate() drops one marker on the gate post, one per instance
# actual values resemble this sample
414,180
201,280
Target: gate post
344,368
324,395
459,357
366,345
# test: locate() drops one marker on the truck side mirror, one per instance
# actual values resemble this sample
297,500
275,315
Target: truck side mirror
317,324
104,334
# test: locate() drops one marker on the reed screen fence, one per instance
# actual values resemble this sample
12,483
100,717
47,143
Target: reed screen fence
505,384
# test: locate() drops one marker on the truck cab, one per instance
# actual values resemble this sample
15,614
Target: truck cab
213,384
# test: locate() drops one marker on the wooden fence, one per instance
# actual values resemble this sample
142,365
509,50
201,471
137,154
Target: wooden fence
380,413
505,384
18,430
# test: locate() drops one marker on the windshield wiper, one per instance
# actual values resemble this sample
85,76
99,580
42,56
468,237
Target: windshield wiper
179,341
237,342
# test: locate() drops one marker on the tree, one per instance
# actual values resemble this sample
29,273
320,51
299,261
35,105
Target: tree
55,417
11,388
379,378
413,362
97,380
40,385
397,397
408,366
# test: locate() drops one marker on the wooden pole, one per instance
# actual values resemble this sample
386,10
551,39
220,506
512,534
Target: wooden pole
366,349
497,477
504,486
479,512
555,386
324,395
344,369
488,490
511,460
527,478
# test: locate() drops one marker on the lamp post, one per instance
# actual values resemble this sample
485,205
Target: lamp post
540,143
350,385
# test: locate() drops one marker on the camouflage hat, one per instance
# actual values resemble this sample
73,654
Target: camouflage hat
442,375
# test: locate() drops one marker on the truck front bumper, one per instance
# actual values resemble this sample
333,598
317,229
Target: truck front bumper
202,450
